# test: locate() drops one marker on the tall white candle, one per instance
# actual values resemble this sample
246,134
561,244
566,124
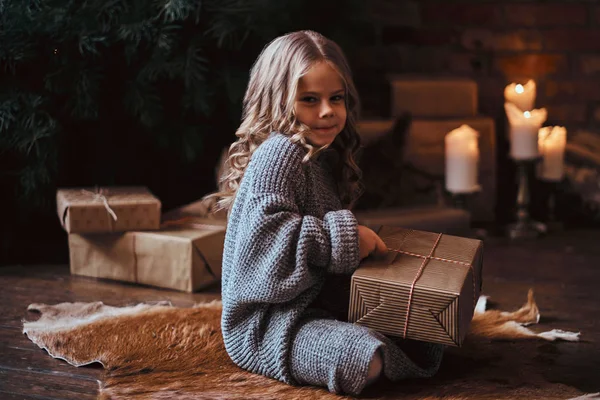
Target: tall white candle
524,127
552,141
523,96
462,156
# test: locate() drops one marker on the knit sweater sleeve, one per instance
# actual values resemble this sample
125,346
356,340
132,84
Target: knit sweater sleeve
278,246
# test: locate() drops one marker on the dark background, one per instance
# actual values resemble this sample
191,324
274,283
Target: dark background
127,92
122,93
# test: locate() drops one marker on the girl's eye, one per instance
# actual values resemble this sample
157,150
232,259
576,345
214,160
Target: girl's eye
309,99
338,97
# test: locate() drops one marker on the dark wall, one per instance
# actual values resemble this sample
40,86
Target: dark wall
557,43
127,93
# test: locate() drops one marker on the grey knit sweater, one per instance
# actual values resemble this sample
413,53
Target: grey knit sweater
286,234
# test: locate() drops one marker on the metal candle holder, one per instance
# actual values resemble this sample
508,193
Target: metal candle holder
461,200
552,223
525,227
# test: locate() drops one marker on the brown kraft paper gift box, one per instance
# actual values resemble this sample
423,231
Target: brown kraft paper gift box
108,209
445,274
185,257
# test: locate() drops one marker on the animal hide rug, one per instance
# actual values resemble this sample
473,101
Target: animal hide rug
157,351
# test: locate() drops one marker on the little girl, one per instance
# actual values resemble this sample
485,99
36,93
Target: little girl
290,175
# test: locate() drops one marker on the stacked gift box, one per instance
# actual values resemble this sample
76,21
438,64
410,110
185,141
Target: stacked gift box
118,233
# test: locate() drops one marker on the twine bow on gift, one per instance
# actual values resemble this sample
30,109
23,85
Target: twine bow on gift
100,195
420,273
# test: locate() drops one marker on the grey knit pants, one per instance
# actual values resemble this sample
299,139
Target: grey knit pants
334,354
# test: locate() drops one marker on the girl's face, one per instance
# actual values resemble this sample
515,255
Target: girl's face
320,104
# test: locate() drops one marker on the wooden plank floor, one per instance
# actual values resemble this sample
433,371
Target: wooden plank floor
564,270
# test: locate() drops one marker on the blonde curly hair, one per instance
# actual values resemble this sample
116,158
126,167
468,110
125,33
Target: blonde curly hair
268,106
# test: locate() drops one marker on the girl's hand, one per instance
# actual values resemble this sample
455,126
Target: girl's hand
370,243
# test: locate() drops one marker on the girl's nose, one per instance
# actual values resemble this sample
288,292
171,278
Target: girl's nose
326,110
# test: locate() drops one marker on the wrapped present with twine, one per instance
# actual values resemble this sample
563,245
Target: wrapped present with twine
184,255
108,209
426,287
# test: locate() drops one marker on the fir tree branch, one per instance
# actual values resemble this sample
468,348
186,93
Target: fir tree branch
176,10
195,66
83,103
89,43
110,14
167,37
199,100
143,102
8,111
191,144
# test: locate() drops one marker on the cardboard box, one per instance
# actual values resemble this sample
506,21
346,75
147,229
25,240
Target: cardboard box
197,209
371,130
184,257
453,221
446,271
108,209
433,97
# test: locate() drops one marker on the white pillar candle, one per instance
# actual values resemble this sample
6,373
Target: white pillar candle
462,156
524,127
552,141
523,96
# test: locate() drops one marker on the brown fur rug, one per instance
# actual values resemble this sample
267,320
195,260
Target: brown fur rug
156,351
